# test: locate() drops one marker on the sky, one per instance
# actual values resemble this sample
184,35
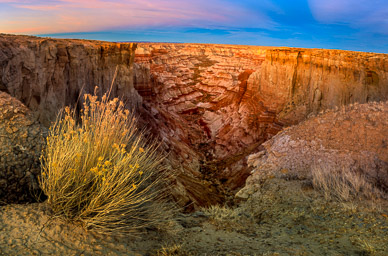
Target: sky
359,25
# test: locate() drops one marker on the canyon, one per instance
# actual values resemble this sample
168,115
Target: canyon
211,106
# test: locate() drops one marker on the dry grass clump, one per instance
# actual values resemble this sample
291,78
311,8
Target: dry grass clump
172,250
101,171
228,218
344,185
223,213
364,246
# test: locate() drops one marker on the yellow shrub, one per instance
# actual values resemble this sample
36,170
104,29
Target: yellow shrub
100,170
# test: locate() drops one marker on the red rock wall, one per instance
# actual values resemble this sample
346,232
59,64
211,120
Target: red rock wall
227,100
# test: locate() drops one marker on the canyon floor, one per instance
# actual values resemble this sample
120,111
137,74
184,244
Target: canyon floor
286,217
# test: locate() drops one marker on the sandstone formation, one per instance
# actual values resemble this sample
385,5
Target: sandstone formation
211,105
353,138
21,142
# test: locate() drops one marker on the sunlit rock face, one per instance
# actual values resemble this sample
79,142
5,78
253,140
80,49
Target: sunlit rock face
48,74
351,139
211,105
297,82
223,101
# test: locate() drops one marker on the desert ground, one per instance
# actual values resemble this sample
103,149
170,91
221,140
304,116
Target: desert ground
286,217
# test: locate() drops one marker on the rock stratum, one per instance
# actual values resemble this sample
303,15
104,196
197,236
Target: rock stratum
211,105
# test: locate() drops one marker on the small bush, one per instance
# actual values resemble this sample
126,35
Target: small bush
101,171
223,213
224,217
173,250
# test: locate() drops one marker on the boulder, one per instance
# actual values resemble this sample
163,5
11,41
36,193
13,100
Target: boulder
352,138
21,143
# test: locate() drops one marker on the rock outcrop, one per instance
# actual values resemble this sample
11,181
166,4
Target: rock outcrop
48,74
353,138
21,143
211,105
296,82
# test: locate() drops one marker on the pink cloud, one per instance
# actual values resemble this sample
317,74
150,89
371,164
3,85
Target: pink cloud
41,7
25,30
92,15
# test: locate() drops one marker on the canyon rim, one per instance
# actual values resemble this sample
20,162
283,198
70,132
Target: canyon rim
211,105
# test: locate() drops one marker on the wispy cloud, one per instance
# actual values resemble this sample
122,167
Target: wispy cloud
341,24
40,7
367,15
92,15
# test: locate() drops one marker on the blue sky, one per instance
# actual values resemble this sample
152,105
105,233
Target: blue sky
360,25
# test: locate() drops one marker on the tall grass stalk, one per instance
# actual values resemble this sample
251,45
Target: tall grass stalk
103,172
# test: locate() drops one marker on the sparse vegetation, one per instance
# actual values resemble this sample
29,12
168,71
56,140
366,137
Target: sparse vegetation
344,185
172,250
101,171
224,217
365,247
223,213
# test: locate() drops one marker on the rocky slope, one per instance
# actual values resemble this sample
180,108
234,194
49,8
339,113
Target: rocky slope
212,105
353,138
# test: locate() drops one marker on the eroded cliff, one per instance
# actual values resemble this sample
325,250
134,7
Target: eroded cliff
223,101
47,74
211,105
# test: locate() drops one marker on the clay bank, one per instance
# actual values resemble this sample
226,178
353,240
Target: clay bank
211,105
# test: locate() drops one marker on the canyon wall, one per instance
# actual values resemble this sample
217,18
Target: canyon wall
47,74
211,105
223,101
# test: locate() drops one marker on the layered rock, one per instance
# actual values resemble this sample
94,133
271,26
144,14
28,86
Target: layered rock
21,143
48,74
211,105
296,82
207,88
226,100
203,91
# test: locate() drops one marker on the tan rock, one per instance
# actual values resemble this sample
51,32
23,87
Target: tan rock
352,138
48,74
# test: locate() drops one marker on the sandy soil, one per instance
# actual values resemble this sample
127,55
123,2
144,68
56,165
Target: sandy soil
286,217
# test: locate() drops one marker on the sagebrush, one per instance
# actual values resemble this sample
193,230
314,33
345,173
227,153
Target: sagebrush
100,170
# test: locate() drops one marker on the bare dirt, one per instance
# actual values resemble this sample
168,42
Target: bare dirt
285,217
